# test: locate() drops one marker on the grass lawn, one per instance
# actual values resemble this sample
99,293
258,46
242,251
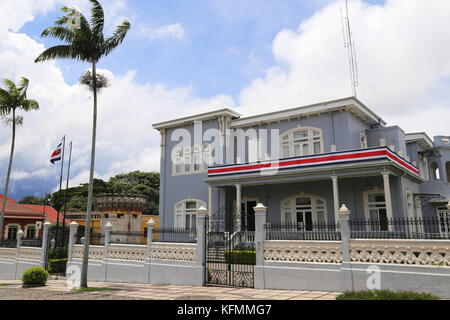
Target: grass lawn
92,289
385,295
5,284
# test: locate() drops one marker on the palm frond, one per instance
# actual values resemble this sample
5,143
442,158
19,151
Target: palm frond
9,84
61,51
61,33
117,38
23,87
29,104
97,18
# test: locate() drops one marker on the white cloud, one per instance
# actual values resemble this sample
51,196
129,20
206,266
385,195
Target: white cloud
125,139
174,31
403,55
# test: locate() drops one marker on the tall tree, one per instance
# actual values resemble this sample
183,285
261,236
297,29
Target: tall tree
12,99
84,41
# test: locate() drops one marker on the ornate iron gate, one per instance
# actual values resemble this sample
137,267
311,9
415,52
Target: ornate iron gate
230,250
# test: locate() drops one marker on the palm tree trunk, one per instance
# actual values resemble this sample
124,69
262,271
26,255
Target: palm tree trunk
87,230
8,175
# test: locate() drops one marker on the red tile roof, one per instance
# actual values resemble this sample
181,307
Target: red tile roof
50,213
16,209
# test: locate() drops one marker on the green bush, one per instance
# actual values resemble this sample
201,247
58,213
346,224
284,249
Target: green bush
35,277
240,257
385,295
57,265
58,253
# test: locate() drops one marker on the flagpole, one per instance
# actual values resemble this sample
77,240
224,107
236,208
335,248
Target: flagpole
60,187
65,193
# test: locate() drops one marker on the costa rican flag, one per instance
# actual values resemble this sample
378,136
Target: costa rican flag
56,155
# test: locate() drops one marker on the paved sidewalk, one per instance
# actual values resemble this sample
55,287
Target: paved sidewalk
56,290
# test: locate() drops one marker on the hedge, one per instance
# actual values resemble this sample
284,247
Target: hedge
58,253
240,257
35,277
385,295
57,265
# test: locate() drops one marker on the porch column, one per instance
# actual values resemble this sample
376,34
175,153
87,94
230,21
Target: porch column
387,195
238,214
335,198
260,222
210,200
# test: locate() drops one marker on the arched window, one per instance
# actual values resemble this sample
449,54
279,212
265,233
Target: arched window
30,231
186,213
304,210
301,141
434,171
12,230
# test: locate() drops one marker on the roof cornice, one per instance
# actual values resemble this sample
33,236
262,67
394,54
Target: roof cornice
202,116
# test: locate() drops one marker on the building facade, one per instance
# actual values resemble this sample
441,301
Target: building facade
302,163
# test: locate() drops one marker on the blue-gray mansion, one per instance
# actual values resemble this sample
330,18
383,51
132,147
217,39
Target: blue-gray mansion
327,154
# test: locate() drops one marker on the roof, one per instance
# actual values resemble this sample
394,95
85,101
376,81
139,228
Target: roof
16,209
202,116
351,104
50,213
421,138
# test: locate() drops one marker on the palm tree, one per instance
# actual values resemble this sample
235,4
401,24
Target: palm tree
12,99
84,42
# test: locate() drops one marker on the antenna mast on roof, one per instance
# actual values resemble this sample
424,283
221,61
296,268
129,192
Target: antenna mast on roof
349,44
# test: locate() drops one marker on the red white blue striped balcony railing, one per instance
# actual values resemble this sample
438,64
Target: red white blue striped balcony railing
336,158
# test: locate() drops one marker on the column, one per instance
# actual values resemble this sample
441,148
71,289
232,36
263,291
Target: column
73,228
108,229
387,195
335,198
45,244
238,214
260,221
150,228
346,271
202,213
19,243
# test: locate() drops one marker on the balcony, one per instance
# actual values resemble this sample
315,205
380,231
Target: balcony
344,159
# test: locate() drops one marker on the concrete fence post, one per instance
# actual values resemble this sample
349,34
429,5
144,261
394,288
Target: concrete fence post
346,272
73,228
150,228
19,243
260,236
108,229
202,214
45,244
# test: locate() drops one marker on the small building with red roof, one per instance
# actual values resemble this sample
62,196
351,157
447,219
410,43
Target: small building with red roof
21,217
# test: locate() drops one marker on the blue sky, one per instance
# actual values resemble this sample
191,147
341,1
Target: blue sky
227,43
187,56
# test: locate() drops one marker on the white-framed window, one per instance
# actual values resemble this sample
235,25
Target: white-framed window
375,209
11,231
410,204
191,160
186,213
30,231
302,141
363,139
304,210
444,219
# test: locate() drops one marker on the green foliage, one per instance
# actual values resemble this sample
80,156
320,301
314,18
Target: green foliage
57,265
58,253
35,277
385,295
136,182
32,200
240,257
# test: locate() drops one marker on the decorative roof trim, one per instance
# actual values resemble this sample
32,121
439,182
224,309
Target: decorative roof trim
421,138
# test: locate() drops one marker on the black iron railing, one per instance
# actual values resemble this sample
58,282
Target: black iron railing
175,235
396,228
299,231
400,228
